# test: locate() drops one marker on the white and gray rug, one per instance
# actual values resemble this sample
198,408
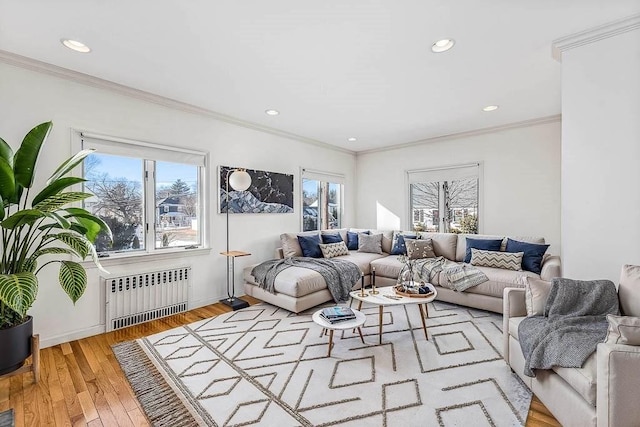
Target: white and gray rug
265,366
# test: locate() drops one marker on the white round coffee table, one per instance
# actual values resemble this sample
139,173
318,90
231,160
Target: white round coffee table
340,326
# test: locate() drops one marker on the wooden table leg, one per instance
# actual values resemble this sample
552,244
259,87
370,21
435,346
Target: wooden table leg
330,341
424,325
35,351
361,337
359,305
380,328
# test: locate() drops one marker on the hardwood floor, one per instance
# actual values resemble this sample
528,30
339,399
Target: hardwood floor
81,383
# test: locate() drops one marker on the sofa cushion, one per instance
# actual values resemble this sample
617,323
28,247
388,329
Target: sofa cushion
290,245
310,246
517,279
328,237
533,253
419,249
536,295
331,250
484,244
444,244
363,260
293,281
629,290
352,239
623,330
497,259
582,380
388,267
370,243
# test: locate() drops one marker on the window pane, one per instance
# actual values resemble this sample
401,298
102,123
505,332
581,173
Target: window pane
461,197
310,202
424,206
334,219
117,200
177,205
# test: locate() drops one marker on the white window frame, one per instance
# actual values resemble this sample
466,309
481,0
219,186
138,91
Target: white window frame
445,173
331,177
140,149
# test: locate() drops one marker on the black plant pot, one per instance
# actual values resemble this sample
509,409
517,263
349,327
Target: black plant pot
16,346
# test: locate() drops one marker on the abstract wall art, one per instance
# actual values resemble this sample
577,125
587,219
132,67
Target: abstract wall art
270,192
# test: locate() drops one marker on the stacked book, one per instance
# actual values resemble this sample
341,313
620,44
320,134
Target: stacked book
337,314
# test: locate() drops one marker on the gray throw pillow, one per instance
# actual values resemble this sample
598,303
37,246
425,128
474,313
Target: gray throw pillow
370,243
418,249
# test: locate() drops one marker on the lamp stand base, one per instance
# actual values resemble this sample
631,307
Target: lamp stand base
235,303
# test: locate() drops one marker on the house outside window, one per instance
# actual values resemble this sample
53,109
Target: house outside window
151,196
445,199
322,195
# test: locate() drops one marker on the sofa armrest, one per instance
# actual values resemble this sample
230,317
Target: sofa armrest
513,305
618,384
551,267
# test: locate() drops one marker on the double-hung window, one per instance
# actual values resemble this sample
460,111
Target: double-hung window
321,200
445,199
151,196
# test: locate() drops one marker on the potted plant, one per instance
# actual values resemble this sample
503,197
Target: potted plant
37,230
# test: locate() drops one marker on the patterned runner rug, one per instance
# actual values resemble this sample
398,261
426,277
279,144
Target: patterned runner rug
266,366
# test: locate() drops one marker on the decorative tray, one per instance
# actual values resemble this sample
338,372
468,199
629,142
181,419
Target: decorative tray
398,290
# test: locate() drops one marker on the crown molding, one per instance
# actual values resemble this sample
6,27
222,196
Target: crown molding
466,134
592,35
96,82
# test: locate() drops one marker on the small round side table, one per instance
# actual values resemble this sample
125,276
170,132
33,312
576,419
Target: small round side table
340,326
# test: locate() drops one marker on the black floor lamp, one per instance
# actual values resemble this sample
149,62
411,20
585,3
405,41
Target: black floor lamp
239,180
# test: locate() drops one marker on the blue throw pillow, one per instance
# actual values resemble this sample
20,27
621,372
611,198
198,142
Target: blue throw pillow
533,253
484,244
310,246
331,238
400,247
352,239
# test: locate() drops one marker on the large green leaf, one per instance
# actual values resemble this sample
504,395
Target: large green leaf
55,187
73,279
24,161
7,180
2,209
59,219
56,201
18,291
19,218
89,221
78,243
69,164
6,152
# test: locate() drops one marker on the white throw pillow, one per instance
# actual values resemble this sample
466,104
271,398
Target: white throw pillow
623,330
536,295
330,250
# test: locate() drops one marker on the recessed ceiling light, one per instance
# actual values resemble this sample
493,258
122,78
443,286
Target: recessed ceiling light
272,112
442,45
490,108
76,45
352,139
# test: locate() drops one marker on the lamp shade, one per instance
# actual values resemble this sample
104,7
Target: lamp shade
240,180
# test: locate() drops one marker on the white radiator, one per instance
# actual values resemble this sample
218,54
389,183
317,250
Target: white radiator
139,298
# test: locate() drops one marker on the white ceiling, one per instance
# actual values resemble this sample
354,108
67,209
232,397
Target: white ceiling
333,68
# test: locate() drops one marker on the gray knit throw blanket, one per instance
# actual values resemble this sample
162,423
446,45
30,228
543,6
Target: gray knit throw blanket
460,277
339,275
573,325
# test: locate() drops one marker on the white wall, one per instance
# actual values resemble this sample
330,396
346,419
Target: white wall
600,157
28,98
520,187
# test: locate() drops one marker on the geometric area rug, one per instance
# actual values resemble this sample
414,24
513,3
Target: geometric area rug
266,366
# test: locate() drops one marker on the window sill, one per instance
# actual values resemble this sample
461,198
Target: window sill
144,256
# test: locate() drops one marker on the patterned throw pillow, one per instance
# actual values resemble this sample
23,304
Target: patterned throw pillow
418,249
623,330
330,250
497,259
370,243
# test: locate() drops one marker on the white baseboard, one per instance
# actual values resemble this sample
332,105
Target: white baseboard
71,336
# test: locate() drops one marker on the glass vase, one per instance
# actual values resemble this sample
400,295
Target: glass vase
410,280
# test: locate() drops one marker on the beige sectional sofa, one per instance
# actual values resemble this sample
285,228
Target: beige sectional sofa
298,289
604,391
